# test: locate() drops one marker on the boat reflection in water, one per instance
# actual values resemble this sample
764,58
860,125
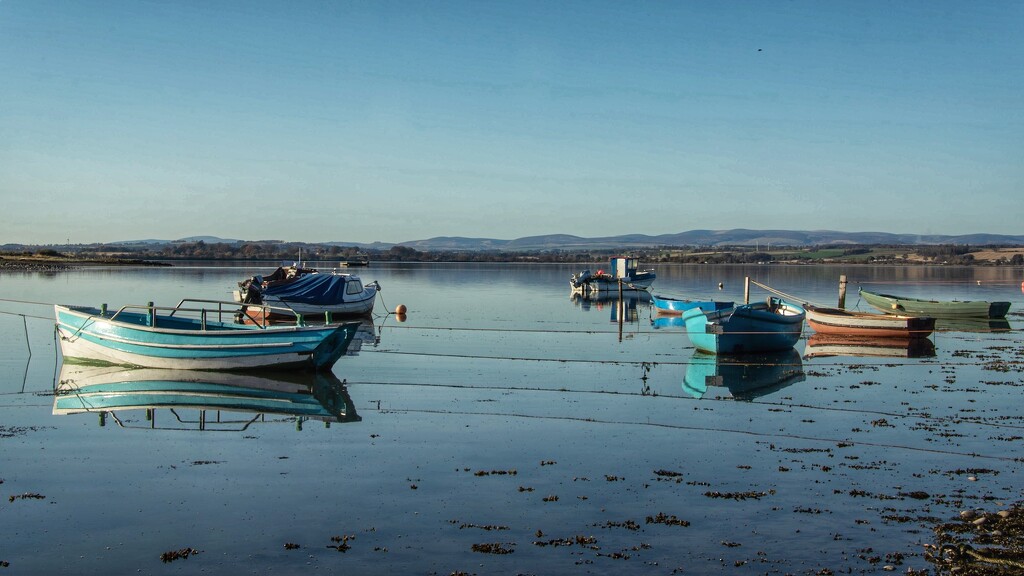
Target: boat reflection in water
366,333
822,345
112,390
745,376
663,322
631,302
972,325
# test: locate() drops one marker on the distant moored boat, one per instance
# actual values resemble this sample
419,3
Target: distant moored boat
625,275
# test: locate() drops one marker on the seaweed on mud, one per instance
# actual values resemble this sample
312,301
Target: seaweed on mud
12,431
341,543
26,496
739,495
495,473
668,520
578,540
628,525
492,548
979,543
182,553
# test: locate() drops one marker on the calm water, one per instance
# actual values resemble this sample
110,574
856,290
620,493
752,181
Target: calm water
502,412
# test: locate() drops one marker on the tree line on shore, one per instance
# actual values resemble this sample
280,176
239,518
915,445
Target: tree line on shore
293,251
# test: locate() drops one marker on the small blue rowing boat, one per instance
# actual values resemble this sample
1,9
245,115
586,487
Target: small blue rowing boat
195,336
768,326
668,305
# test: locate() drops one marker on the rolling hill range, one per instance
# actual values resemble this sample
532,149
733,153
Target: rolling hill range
693,238
711,238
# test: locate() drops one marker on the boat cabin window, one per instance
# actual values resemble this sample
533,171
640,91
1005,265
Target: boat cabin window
354,287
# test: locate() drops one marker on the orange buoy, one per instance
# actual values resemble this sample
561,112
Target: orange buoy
400,309
400,317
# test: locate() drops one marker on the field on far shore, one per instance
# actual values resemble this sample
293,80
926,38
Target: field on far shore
52,260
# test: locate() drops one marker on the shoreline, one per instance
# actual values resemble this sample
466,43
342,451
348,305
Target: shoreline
36,264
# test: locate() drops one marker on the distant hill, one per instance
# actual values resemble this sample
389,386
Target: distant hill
710,238
692,238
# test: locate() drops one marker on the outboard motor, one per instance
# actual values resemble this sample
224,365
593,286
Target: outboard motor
583,277
251,290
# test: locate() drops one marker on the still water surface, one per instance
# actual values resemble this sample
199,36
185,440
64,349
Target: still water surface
504,416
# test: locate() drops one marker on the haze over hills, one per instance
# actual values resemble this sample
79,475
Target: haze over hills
711,238
692,238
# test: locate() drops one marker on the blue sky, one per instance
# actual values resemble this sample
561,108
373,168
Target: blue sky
395,121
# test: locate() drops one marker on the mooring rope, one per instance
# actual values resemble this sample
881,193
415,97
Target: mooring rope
26,302
789,297
654,394
26,315
966,550
739,431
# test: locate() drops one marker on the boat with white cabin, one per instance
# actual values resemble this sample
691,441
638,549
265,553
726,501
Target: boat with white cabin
625,275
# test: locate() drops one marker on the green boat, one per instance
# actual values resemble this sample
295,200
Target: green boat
935,308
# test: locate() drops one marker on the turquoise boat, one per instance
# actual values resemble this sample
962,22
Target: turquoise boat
83,388
196,335
668,305
769,326
891,304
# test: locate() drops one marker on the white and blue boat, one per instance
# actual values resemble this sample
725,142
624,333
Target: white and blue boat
769,326
669,305
625,275
196,335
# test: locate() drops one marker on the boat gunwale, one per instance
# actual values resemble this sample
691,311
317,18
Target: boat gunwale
936,308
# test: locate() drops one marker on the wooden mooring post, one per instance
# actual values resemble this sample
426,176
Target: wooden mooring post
746,289
842,291
621,310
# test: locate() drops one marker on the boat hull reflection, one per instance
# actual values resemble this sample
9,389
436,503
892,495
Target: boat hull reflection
972,325
110,389
630,303
746,376
824,345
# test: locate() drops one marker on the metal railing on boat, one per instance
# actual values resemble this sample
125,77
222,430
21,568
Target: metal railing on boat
258,318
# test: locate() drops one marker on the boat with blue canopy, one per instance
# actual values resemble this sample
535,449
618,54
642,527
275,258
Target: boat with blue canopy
310,292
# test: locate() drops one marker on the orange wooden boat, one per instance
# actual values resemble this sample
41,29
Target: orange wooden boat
846,322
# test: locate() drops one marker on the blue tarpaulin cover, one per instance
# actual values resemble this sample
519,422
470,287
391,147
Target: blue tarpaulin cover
311,289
